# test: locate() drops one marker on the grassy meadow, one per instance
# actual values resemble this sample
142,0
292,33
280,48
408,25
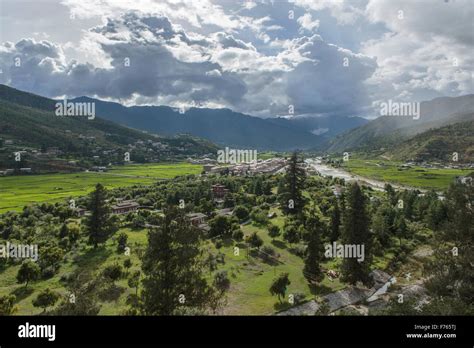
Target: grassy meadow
18,191
419,177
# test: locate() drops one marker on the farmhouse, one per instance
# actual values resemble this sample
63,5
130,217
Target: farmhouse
81,212
99,168
224,212
125,207
198,220
219,191
465,180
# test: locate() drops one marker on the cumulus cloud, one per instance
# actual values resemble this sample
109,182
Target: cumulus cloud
344,11
307,23
332,81
421,58
250,57
148,56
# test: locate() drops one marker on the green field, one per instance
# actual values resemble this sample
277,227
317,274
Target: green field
251,277
85,258
426,178
18,191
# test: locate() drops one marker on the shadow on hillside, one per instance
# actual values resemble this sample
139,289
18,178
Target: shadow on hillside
241,245
227,242
21,293
295,250
111,293
92,257
279,244
269,260
279,306
320,289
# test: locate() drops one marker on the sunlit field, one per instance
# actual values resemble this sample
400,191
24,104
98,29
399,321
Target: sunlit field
18,191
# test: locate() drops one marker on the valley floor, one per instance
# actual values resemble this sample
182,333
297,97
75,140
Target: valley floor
18,191
414,177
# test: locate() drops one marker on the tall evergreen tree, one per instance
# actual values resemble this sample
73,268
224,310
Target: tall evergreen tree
356,231
292,199
99,225
452,272
315,251
335,221
401,227
391,194
173,267
380,228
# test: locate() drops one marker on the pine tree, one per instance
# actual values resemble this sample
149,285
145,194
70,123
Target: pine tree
356,231
401,227
292,199
174,269
99,225
315,250
380,228
335,221
391,194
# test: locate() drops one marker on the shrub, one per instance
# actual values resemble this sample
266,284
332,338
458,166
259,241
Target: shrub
238,235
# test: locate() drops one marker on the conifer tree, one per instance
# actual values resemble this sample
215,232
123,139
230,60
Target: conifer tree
335,221
356,232
173,268
315,251
292,199
99,225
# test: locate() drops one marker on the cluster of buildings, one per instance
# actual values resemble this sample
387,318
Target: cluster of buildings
121,207
124,207
438,165
198,220
12,171
268,166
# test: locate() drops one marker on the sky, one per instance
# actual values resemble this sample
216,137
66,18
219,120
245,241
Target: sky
263,58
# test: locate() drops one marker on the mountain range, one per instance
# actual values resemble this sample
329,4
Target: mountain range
28,122
445,126
388,131
438,144
227,127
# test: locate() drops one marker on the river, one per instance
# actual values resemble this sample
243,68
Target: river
326,170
